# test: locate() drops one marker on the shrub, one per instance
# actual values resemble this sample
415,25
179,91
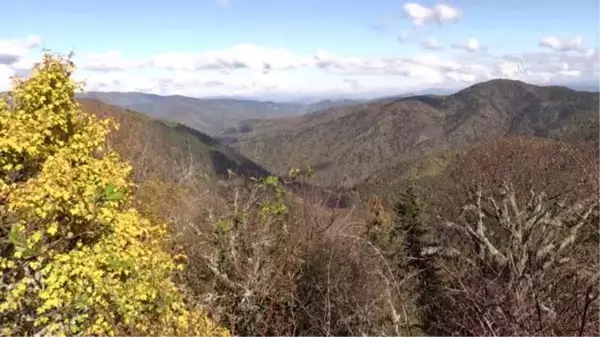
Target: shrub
75,257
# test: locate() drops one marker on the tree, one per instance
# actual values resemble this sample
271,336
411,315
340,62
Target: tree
75,258
410,225
530,269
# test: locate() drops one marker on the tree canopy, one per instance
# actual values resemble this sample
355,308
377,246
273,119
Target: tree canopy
75,257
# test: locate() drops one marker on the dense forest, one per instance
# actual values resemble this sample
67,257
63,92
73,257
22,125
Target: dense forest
414,217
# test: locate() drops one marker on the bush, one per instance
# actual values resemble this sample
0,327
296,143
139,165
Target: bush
75,257
242,258
268,262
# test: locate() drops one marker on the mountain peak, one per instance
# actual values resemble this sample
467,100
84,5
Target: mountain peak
498,83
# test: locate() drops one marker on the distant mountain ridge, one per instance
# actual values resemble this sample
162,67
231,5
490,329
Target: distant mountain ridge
347,144
216,115
209,115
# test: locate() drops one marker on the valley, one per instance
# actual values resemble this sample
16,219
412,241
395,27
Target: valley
209,115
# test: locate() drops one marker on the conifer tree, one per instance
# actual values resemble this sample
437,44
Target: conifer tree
410,225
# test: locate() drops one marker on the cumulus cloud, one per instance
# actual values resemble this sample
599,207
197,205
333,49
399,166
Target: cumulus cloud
332,62
7,58
557,67
255,71
243,56
14,50
471,45
421,15
434,62
331,74
432,44
511,67
15,57
327,72
109,61
460,77
566,44
5,74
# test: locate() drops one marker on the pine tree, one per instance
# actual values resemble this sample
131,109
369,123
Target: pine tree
410,226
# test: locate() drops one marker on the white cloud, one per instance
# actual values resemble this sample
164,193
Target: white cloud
258,71
434,62
16,59
440,13
461,77
591,52
5,75
432,44
566,44
512,68
242,56
569,73
471,45
14,50
109,61
326,72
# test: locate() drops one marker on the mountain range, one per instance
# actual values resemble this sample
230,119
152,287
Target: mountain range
222,115
346,145
352,144
208,115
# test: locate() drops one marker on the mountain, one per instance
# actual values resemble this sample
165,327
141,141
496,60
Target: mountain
585,85
208,115
428,91
348,144
171,151
169,147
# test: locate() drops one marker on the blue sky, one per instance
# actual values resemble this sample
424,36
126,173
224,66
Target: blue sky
378,46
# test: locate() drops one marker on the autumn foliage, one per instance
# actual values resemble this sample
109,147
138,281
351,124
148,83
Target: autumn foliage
75,257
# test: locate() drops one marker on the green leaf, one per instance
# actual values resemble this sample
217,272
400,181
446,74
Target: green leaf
111,194
15,237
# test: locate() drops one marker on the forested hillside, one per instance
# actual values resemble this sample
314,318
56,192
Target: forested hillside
346,145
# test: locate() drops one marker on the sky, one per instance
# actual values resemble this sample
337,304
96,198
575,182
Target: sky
282,49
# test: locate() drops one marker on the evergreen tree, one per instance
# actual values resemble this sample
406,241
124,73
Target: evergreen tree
410,225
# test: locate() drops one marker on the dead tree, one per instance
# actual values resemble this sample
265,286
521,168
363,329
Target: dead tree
531,270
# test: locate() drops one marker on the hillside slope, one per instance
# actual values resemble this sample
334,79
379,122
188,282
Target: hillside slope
173,152
169,148
208,115
346,145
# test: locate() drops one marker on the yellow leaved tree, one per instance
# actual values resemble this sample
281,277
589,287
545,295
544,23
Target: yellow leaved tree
74,257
